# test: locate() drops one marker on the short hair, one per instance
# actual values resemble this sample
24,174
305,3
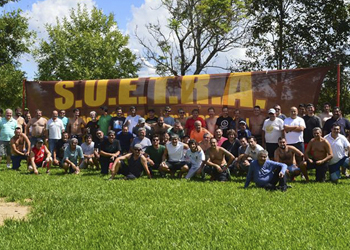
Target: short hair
206,134
151,110
335,125
88,136
301,105
174,136
93,113
263,152
193,141
73,140
211,108
76,109
281,138
316,129
111,132
195,110
251,137
230,132
309,105
118,108
141,129
257,107
8,110
224,107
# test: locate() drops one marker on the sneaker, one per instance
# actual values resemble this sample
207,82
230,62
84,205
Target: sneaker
284,188
8,165
270,187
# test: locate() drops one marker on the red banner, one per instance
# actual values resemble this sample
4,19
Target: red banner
236,90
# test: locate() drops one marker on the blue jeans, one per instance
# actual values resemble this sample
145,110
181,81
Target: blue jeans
52,145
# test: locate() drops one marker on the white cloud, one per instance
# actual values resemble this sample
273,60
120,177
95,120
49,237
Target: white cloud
152,12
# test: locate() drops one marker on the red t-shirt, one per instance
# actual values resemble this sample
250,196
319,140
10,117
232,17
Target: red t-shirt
39,154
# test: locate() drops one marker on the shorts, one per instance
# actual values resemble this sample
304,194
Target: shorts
125,170
292,168
177,165
5,148
16,160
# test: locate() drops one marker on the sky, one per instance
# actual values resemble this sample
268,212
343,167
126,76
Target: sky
129,15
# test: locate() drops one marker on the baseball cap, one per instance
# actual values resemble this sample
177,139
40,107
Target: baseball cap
272,111
142,120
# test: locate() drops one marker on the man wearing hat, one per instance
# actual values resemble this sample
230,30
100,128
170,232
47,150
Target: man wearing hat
40,156
104,120
271,131
137,164
243,131
142,124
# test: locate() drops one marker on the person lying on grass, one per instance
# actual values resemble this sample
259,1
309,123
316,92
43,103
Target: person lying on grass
173,157
136,164
73,156
215,162
266,173
38,159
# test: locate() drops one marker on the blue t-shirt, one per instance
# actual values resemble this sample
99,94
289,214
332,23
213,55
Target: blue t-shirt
7,129
125,140
73,155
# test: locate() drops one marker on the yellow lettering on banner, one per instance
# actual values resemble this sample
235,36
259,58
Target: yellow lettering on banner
124,91
160,85
67,99
188,85
101,92
239,87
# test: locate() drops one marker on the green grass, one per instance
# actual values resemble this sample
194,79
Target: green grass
88,212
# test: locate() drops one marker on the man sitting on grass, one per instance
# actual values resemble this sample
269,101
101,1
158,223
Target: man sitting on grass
266,173
73,156
136,164
286,154
37,157
173,157
215,162
154,154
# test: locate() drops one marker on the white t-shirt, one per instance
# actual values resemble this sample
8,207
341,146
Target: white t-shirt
175,153
88,149
253,153
273,130
294,137
55,128
196,159
133,121
339,147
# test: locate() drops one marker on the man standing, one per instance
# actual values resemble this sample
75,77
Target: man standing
337,117
279,112
237,119
54,129
151,119
167,118
321,154
37,126
116,123
20,148
64,119
271,131
211,120
104,120
7,131
326,114
191,120
125,138
141,140
266,173
20,120
142,124
132,119
293,130
92,126
76,126
160,128
182,118
340,147
311,121
256,123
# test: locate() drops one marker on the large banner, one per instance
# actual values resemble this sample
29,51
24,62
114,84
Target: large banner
236,90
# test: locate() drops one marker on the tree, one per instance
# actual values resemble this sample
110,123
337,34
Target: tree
198,30
85,46
298,34
15,41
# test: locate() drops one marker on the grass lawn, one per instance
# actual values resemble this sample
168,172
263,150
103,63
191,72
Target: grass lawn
86,211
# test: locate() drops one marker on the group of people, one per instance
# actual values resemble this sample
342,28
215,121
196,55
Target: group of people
266,149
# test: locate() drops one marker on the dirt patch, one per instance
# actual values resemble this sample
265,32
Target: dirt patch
12,210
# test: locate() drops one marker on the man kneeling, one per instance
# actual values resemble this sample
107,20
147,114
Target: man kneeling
136,164
37,157
266,173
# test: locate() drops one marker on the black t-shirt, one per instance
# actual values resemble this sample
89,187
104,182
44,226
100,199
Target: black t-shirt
224,124
109,147
311,122
116,123
343,123
232,147
60,147
98,142
152,120
92,129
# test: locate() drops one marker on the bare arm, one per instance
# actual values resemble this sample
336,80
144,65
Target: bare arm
145,167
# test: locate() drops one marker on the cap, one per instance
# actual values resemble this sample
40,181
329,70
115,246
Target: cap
272,111
167,108
40,140
137,146
243,122
132,107
142,120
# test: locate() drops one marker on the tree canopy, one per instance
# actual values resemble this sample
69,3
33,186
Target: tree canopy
198,30
85,45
